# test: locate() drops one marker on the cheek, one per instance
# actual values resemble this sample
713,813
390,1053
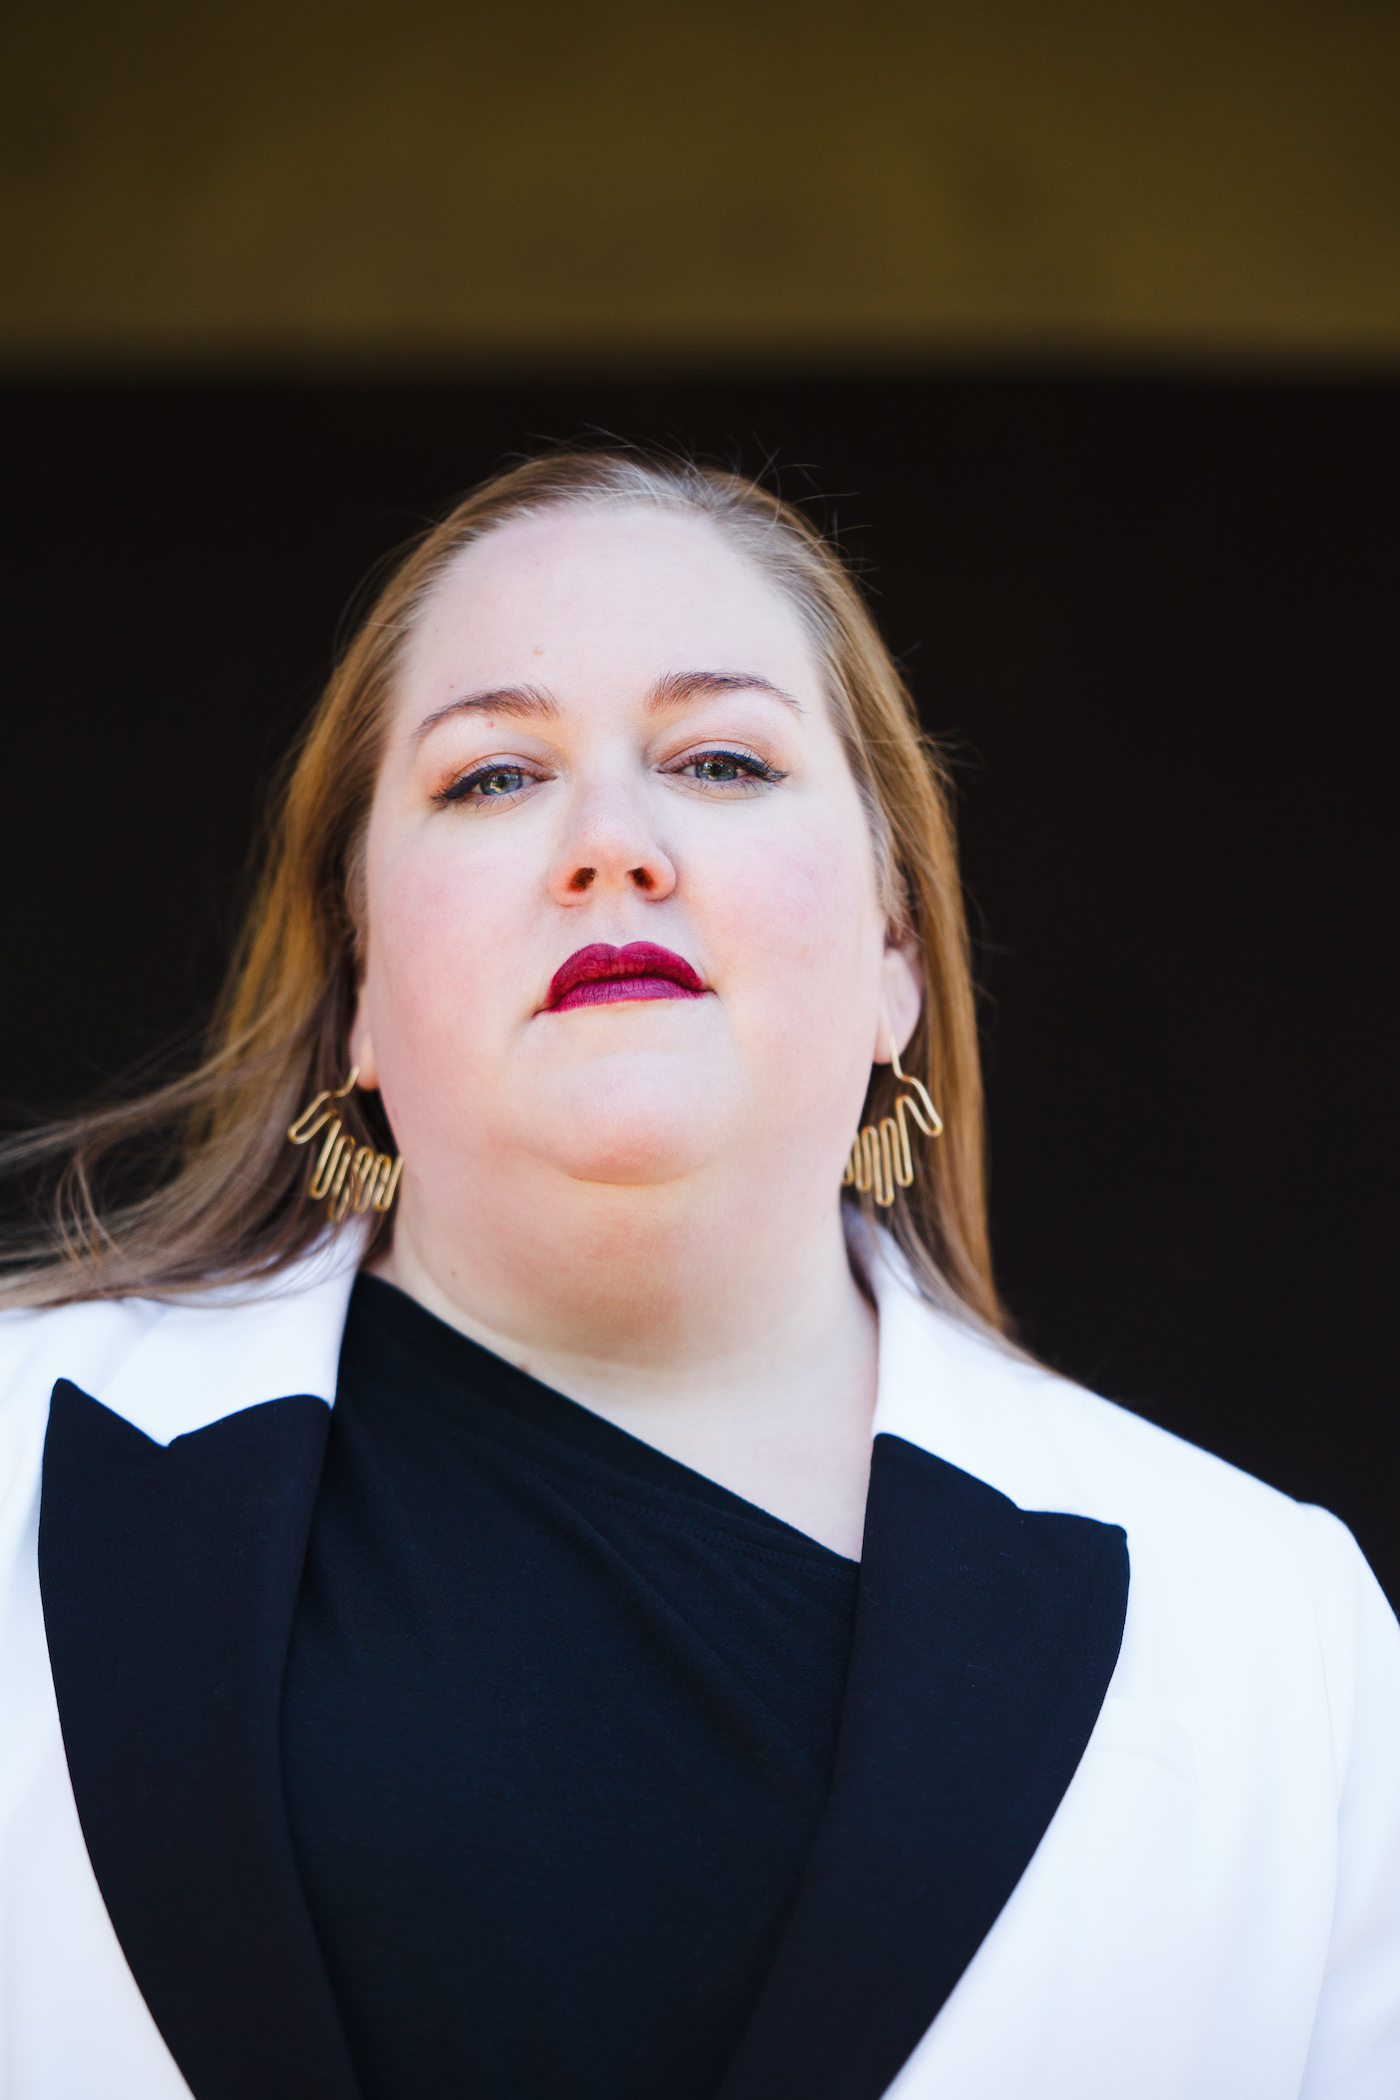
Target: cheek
793,922
444,953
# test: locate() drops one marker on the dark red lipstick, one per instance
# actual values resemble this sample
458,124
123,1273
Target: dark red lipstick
599,974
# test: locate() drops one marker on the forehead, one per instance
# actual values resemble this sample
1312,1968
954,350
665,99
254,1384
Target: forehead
629,591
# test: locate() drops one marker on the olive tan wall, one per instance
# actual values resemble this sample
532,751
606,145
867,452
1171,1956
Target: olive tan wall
295,180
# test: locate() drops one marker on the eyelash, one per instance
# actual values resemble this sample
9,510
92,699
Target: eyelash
460,790
760,773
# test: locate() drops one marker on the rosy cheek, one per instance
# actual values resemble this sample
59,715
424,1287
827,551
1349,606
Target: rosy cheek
812,877
792,925
436,929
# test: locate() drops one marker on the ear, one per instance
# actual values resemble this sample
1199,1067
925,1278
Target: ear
902,990
362,1046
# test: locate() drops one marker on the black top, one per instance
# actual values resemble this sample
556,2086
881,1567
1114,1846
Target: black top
558,1726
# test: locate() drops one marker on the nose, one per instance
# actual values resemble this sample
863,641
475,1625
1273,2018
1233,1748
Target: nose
611,847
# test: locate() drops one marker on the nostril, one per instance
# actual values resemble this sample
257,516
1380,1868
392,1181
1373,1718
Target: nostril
642,878
581,878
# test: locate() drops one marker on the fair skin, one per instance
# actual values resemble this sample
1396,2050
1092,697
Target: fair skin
610,728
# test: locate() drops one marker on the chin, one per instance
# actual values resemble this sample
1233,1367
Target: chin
633,1152
626,1167
631,1124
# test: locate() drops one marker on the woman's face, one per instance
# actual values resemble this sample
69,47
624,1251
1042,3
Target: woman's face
610,730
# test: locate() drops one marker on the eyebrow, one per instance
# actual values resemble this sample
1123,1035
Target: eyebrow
501,700
678,688
674,689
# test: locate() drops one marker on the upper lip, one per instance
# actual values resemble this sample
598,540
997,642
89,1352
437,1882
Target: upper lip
638,959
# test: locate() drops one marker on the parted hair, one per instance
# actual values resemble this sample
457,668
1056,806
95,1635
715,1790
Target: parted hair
191,1182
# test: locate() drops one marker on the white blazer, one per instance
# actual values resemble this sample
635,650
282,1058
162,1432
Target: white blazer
1117,1806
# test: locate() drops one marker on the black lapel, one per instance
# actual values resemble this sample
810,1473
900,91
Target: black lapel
169,1579
985,1640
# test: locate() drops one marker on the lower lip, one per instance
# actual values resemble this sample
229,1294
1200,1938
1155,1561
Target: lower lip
607,991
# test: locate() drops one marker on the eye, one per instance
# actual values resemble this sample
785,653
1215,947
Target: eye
497,781
726,769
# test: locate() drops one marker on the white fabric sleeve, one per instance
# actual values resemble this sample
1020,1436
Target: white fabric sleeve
1355,2049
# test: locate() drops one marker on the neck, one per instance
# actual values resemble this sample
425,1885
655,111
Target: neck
722,1327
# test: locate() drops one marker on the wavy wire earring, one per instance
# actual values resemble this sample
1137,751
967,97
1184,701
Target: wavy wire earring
880,1159
351,1176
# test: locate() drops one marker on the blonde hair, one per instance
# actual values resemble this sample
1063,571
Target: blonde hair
193,1182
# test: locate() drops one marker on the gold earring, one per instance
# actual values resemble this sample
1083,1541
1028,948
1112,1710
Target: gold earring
881,1159
353,1177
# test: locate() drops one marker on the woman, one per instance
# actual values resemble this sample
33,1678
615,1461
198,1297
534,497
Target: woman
530,1568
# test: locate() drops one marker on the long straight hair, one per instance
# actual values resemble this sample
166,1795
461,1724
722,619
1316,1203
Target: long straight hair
192,1182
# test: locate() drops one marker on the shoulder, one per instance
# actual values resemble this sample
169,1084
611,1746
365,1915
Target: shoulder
87,1342
1043,1440
1222,1565
173,1366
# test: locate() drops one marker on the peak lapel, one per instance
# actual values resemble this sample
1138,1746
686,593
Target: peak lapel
985,1640
169,1578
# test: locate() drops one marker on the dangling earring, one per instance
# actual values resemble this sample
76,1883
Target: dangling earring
881,1159
353,1177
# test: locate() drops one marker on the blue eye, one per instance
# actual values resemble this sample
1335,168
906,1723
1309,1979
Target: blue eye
495,783
501,780
730,769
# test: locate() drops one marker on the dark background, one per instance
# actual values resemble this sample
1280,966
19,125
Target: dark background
1153,621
